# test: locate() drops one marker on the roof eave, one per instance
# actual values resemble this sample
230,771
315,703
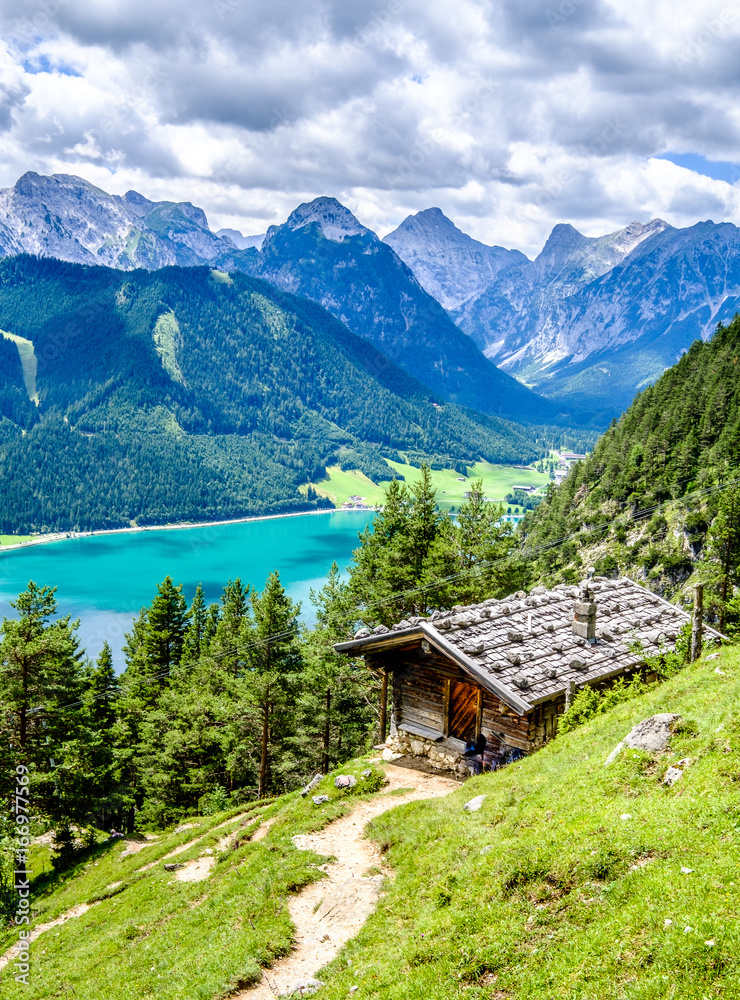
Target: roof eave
358,645
427,631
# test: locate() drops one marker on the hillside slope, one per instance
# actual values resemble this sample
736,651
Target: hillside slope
573,880
189,394
633,507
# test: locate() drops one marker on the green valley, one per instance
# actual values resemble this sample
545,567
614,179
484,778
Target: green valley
340,485
187,394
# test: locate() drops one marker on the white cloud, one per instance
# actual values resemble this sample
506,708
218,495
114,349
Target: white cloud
510,116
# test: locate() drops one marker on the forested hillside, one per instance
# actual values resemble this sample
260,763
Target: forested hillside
191,394
658,498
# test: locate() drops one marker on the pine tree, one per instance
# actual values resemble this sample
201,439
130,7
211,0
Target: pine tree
195,639
269,647
484,555
40,686
166,624
232,616
101,691
337,706
721,558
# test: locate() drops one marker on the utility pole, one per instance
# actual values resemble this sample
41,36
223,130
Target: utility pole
697,624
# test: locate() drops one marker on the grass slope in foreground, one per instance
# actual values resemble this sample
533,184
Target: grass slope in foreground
568,883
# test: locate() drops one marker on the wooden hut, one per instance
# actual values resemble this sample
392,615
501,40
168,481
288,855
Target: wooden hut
510,667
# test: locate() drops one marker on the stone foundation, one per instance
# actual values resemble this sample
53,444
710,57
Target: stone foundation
400,744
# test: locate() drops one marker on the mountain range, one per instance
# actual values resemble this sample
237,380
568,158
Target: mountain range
322,253
591,320
586,324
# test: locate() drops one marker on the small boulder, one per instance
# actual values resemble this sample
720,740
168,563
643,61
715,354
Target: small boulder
577,664
304,988
672,775
345,781
390,755
362,633
319,799
474,804
652,734
311,785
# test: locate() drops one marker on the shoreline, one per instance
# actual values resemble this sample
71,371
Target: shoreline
180,526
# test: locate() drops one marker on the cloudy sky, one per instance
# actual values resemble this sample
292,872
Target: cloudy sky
510,116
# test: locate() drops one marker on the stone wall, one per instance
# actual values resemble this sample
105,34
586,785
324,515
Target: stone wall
401,744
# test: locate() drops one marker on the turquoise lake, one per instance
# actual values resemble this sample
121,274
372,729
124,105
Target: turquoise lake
106,579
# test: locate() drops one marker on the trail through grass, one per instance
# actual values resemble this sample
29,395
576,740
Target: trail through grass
574,881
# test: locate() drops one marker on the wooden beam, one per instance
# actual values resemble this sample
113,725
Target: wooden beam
384,707
446,707
697,624
479,711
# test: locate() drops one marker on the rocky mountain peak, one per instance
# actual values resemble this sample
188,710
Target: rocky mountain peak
336,221
432,229
561,242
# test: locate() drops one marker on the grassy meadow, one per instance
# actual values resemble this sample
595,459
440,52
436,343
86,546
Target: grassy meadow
573,881
498,480
15,539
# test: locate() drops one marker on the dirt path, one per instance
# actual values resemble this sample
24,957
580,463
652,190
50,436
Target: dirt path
76,911
328,913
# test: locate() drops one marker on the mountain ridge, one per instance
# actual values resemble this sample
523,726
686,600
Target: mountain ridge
322,252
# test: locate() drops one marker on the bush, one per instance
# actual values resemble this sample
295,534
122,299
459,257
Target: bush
607,566
65,848
589,702
215,801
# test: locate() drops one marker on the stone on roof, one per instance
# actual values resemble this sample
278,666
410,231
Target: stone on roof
524,643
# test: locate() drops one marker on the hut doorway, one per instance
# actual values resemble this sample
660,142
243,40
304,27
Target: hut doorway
463,716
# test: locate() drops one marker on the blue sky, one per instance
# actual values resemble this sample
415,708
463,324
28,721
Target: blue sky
510,115
719,170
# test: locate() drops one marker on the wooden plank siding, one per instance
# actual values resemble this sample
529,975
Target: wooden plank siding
429,690
419,697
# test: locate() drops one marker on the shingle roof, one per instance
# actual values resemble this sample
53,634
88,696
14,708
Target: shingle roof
522,647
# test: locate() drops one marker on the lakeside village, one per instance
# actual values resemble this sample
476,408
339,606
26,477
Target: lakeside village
558,465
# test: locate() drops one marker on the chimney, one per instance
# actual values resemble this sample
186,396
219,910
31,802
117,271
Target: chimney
584,614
